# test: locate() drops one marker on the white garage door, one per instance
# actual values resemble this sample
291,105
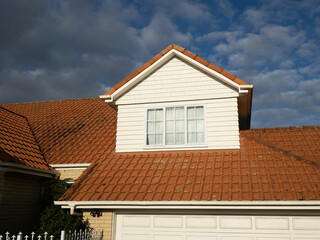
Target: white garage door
205,227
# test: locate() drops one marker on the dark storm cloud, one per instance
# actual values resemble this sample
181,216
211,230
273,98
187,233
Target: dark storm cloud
64,50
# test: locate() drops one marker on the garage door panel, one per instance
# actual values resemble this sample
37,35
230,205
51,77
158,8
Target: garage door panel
308,223
136,237
272,223
168,222
197,237
201,222
214,227
235,223
136,221
168,237
273,238
236,237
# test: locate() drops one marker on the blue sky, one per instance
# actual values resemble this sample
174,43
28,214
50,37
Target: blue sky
76,49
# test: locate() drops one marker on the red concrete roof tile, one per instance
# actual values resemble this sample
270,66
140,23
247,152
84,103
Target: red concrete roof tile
183,51
266,168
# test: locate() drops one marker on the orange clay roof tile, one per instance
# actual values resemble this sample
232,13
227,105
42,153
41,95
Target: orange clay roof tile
70,131
17,141
183,51
265,168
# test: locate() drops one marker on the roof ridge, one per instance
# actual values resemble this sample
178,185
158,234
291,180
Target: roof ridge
285,152
58,100
284,128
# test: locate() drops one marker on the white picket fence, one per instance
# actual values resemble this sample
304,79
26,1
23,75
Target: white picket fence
75,235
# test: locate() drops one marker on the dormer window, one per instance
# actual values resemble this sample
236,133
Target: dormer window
181,125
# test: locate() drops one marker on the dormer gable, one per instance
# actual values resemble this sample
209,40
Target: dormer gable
178,82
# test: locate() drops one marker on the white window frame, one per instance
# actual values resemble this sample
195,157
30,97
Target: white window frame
186,144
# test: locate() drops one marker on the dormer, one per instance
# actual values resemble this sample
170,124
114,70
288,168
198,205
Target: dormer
179,101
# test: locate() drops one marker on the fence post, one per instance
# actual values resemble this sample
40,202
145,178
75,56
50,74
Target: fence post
63,235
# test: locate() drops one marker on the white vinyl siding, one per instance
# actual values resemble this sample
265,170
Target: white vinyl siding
208,227
222,130
176,81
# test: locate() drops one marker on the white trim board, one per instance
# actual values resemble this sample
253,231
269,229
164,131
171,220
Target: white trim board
72,166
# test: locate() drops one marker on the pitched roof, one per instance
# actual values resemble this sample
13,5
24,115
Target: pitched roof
272,164
17,142
71,131
186,53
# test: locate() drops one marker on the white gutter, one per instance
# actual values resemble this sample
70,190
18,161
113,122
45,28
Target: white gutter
232,205
14,167
72,166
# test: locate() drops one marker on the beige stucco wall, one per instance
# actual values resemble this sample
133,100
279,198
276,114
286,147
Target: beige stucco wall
73,174
103,223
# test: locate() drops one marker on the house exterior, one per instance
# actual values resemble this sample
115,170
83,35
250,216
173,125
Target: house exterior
168,153
23,170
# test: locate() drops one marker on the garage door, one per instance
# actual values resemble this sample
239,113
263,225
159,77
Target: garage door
205,227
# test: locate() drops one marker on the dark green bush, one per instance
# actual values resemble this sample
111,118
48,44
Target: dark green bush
52,218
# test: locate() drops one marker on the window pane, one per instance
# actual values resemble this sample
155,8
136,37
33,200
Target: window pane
192,126
200,137
150,127
159,115
191,138
179,113
180,126
190,112
199,112
179,138
151,113
158,139
159,126
170,126
169,138
200,126
150,139
169,113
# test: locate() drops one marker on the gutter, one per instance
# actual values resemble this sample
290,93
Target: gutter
14,167
204,205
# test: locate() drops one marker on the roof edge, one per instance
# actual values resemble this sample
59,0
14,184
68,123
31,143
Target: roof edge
14,167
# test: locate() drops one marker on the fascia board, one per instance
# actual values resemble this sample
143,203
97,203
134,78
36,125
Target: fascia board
13,167
256,205
161,61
